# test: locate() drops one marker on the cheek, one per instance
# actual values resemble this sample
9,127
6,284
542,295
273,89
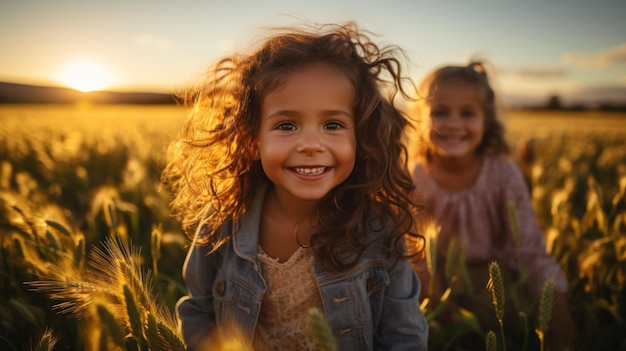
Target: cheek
269,144
270,162
267,152
345,153
478,127
348,151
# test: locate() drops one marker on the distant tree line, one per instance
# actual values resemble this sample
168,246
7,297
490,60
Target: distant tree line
12,93
554,102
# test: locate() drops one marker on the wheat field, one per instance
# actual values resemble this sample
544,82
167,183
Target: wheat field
91,258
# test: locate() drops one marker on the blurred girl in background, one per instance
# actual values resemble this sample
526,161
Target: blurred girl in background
470,187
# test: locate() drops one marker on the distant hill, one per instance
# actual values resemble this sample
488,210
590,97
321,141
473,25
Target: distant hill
33,94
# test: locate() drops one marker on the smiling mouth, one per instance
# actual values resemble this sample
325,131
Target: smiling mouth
310,171
454,138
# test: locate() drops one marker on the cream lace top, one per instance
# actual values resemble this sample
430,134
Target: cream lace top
291,291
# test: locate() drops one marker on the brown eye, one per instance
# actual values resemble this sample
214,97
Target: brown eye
469,112
286,126
333,126
437,113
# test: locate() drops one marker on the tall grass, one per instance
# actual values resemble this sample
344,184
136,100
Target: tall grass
91,259
496,286
546,307
116,293
578,185
79,191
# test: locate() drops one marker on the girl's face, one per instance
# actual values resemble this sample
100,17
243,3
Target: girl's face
457,120
306,138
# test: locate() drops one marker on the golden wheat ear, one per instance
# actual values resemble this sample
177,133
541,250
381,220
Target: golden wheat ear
46,342
496,286
546,306
115,290
491,341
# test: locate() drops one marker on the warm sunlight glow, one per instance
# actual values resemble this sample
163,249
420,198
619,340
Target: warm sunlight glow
85,76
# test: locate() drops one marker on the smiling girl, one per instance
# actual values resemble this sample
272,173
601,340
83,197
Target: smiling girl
291,178
468,185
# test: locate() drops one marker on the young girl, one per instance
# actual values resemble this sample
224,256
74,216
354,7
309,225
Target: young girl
291,177
468,186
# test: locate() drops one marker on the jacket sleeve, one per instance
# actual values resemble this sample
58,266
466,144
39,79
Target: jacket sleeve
403,325
195,311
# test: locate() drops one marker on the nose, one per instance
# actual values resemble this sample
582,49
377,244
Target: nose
453,121
310,141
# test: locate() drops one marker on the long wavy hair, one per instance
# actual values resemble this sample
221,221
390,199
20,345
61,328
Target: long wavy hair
475,73
213,170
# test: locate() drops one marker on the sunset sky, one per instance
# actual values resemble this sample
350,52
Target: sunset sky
574,48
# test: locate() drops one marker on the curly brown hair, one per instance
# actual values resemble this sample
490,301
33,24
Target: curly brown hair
475,73
213,170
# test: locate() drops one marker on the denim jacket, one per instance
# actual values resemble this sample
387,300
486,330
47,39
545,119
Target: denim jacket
372,307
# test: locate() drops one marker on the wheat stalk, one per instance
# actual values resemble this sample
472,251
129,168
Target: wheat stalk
321,331
546,306
496,286
112,326
46,342
491,341
524,323
121,291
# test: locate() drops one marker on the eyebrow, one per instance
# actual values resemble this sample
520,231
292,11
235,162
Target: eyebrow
279,113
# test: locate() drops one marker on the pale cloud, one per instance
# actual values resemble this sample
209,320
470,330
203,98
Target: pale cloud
152,41
536,72
602,59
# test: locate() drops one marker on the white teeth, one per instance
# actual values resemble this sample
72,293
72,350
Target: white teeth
453,137
310,171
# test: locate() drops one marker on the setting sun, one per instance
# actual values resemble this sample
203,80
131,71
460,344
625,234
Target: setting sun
85,76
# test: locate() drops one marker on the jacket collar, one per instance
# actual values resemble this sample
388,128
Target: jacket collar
246,231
